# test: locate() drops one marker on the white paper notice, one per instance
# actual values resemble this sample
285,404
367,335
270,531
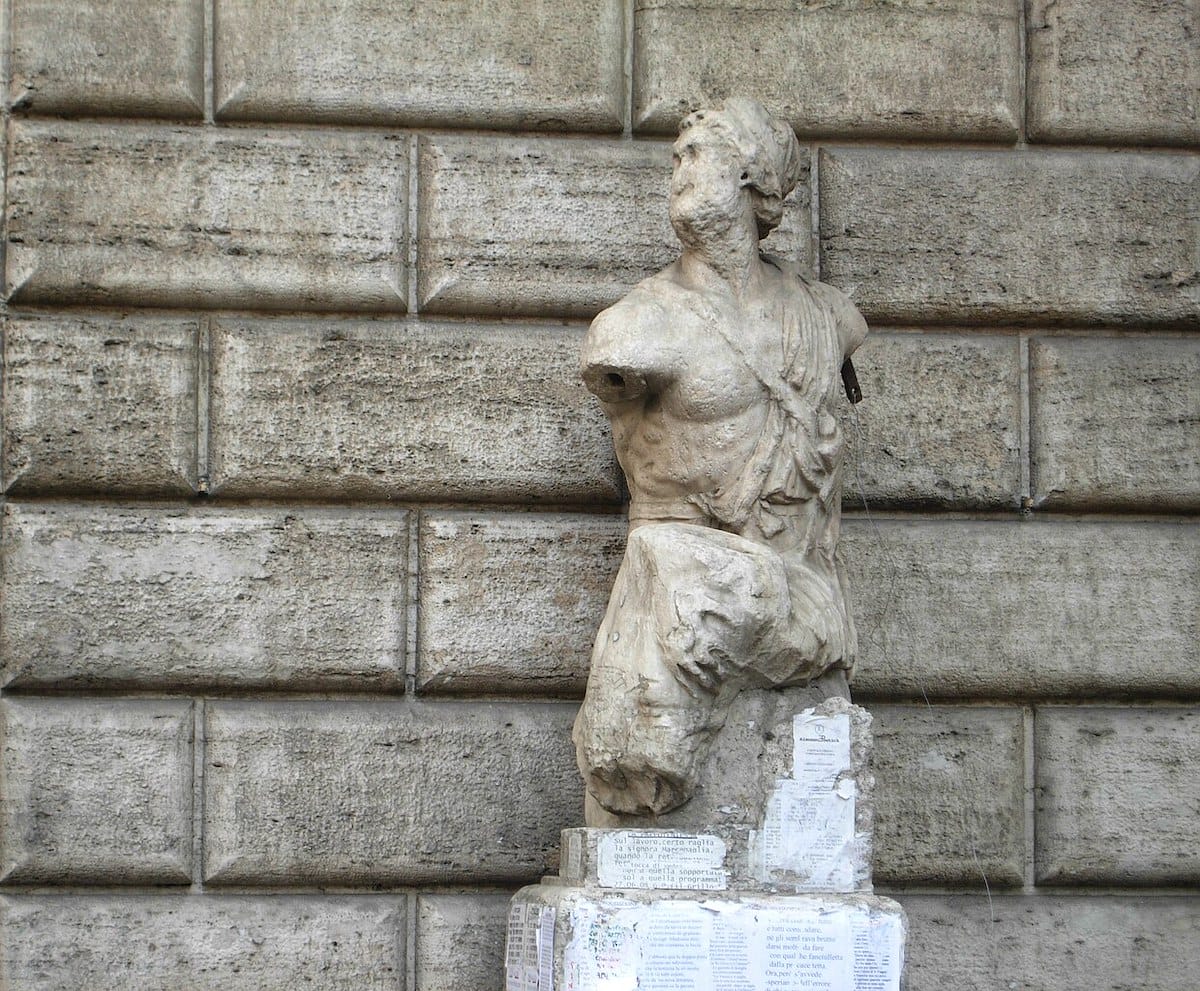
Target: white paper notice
877,952
808,827
804,951
603,952
674,945
681,946
545,949
514,949
639,859
530,964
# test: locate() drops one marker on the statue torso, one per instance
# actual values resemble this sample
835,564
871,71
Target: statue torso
714,366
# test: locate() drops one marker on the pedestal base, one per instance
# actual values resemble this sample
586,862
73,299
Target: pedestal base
566,937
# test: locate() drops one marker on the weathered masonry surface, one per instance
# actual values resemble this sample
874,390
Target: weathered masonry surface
308,524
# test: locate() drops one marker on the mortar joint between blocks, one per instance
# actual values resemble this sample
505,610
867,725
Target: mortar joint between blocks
210,44
411,220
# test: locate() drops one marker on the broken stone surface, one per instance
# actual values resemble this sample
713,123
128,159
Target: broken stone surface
768,801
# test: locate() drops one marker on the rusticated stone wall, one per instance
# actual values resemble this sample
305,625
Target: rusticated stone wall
309,524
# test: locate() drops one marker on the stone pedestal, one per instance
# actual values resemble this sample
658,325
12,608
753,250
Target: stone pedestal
770,892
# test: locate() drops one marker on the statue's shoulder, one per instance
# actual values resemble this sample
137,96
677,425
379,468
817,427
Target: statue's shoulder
852,327
637,330
659,291
645,305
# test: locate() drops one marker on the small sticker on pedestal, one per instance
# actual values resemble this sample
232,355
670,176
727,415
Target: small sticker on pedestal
641,859
514,948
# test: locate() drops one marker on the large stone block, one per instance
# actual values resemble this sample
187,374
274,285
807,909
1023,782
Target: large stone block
522,64
361,792
1114,71
1031,943
945,236
405,411
87,56
1117,795
100,405
157,597
939,424
1065,605
1016,609
97,791
950,795
1114,422
202,943
511,602
138,215
545,226
460,941
866,68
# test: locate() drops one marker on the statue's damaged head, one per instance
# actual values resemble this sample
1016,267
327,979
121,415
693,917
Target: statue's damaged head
720,153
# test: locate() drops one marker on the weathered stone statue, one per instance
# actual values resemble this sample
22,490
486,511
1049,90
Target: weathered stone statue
721,375
729,792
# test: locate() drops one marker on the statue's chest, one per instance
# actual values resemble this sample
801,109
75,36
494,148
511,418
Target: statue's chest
731,362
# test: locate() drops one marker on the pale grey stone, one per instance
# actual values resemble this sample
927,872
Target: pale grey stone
869,68
939,424
973,609
157,597
1037,942
950,795
944,236
1117,795
97,791
521,64
202,943
174,216
93,404
1064,604
722,375
1114,71
460,941
544,226
1115,422
88,56
510,601
368,792
428,411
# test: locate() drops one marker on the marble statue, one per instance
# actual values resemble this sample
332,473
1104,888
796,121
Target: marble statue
721,375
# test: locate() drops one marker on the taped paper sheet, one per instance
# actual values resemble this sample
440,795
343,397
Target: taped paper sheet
686,946
529,949
877,952
545,949
631,858
808,825
514,948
